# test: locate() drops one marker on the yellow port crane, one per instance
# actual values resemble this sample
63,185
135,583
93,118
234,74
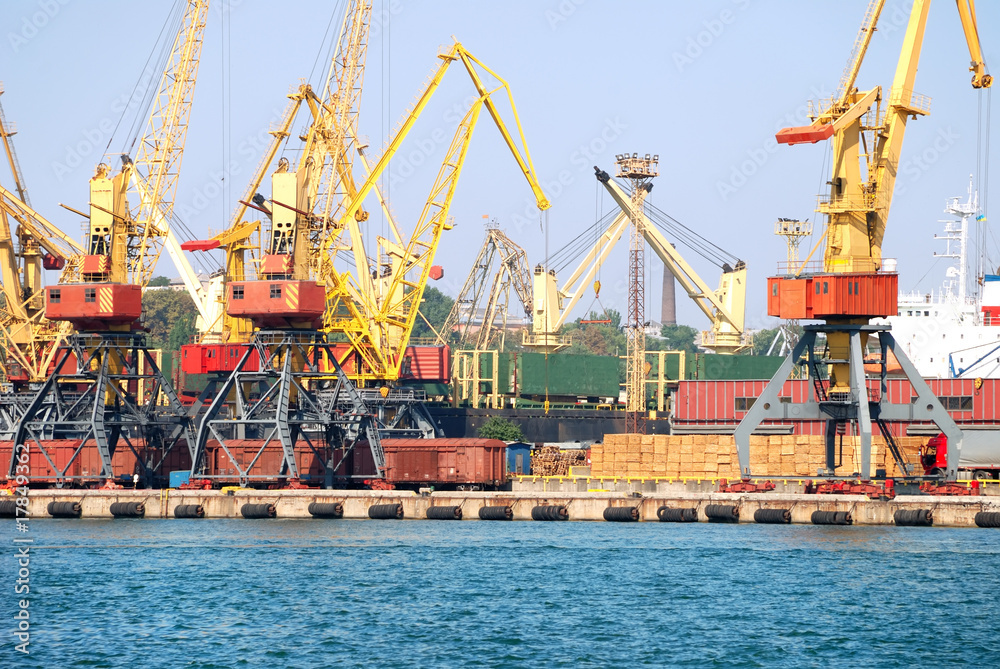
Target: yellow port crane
118,380
854,285
326,179
296,369
507,263
28,339
379,332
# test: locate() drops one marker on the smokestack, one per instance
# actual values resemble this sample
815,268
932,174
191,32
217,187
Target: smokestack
668,302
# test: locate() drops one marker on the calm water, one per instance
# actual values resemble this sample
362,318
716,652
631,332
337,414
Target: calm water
289,593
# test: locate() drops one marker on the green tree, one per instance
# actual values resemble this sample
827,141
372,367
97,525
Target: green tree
679,338
435,307
159,282
180,333
162,310
498,427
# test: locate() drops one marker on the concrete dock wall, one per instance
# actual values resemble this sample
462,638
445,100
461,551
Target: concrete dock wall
947,511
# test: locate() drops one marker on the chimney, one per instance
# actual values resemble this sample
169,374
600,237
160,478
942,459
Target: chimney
668,302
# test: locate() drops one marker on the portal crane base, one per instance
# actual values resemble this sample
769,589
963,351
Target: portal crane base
862,405
112,396
287,391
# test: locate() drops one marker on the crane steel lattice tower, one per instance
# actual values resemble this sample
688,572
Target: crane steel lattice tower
639,172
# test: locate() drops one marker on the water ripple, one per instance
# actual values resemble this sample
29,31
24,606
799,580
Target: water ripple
241,593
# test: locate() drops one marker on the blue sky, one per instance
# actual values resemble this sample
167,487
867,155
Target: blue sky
703,84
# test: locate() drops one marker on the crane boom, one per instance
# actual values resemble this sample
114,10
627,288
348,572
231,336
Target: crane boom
967,13
723,307
379,334
6,131
161,148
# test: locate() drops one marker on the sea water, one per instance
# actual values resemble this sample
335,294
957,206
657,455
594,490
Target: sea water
349,593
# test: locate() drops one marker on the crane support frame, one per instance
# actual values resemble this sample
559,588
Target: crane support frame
861,404
121,400
299,385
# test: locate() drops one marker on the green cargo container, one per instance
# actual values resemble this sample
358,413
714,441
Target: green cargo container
715,367
566,375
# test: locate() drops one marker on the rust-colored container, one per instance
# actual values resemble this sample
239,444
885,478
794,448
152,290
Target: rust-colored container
87,464
451,461
430,364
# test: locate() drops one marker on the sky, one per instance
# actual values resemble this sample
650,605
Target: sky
705,85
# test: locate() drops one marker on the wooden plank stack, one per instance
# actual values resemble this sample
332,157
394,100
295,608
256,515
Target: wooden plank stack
714,456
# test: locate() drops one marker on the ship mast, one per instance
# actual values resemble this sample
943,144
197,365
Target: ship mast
958,231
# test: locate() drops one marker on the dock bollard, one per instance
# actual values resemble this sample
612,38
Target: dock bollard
551,512
329,510
65,509
621,514
722,513
189,511
128,509
496,513
913,518
772,516
259,510
668,515
385,511
444,513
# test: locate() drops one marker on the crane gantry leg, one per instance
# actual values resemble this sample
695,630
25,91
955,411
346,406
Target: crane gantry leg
862,404
290,391
107,392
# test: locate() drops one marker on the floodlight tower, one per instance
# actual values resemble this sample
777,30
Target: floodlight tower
639,172
794,231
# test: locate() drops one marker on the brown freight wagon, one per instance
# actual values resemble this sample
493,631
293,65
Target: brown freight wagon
443,463
452,463
86,466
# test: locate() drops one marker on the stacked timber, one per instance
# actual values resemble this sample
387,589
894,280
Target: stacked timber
714,456
550,461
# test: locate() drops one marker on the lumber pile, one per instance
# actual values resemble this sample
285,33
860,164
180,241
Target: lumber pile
714,456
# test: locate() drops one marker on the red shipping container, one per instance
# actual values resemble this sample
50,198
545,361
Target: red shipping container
430,364
206,358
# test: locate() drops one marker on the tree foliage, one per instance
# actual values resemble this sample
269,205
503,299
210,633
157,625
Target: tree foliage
170,317
159,282
679,338
498,427
435,308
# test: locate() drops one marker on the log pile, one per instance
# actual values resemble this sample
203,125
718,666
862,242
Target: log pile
550,461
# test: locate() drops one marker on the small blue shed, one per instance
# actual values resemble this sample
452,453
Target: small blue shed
518,458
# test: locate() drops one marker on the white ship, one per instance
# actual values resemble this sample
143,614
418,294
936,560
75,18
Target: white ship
954,332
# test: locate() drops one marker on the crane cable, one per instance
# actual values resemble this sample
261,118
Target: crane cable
983,173
140,103
157,58
700,245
